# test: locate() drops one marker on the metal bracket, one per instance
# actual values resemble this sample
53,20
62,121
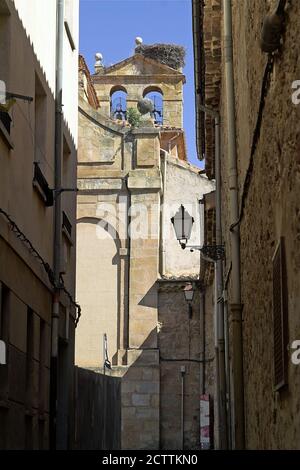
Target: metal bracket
57,192
211,252
18,96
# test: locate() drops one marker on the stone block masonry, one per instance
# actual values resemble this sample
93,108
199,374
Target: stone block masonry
117,274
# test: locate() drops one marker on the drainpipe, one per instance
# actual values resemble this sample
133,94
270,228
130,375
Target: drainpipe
57,216
227,367
163,155
219,304
202,342
217,356
238,438
182,370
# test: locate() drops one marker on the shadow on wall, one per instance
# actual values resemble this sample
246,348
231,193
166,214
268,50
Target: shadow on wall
98,288
138,405
150,299
152,397
140,396
121,408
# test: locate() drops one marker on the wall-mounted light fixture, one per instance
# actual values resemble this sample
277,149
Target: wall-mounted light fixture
2,352
183,223
189,295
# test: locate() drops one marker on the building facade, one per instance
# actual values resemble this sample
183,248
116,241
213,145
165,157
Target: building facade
131,271
262,377
30,378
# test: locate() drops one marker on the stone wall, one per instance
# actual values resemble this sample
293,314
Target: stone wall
210,365
141,400
116,276
271,211
120,254
179,346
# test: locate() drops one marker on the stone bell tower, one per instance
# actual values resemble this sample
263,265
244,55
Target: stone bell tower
137,77
119,228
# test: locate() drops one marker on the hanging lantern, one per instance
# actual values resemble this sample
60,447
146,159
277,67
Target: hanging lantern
183,223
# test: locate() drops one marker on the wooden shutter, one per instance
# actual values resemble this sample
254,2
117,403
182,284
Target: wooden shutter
280,317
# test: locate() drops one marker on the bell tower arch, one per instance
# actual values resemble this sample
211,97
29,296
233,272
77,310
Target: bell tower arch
138,77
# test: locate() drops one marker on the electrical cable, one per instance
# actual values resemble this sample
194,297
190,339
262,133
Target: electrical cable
22,237
256,135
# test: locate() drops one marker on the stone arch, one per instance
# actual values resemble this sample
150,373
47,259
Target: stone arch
155,94
107,226
98,290
152,89
118,102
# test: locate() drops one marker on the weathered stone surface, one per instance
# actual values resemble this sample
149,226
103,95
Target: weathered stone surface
147,151
178,339
128,412
143,357
272,210
140,399
148,387
271,207
99,184
118,288
144,180
136,74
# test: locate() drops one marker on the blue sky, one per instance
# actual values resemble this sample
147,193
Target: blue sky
110,27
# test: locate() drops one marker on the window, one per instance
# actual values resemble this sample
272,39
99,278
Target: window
6,120
155,95
4,305
41,185
40,121
118,103
29,358
68,173
40,142
6,102
69,22
4,336
5,35
280,316
42,362
66,253
66,225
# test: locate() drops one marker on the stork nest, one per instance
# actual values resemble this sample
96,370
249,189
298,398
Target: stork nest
167,54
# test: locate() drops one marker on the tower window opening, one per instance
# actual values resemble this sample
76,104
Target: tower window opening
156,96
118,104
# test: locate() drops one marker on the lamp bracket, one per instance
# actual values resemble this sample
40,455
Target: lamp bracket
211,252
57,192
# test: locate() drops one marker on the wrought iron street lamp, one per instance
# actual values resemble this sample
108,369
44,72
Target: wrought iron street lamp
183,223
189,295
